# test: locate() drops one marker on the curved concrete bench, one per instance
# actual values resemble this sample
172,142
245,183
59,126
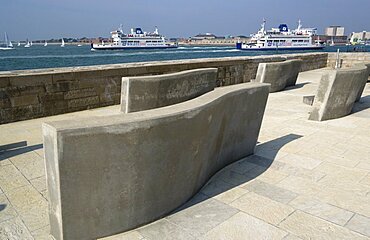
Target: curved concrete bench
148,92
337,93
111,174
279,74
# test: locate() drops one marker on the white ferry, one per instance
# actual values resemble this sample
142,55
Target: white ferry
281,38
137,39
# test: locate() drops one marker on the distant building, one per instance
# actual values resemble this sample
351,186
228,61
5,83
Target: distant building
204,36
334,31
211,39
360,37
334,35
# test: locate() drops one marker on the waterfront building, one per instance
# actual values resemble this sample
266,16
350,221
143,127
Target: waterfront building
335,31
360,37
212,39
334,35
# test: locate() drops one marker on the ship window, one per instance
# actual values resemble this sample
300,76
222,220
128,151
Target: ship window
300,40
295,40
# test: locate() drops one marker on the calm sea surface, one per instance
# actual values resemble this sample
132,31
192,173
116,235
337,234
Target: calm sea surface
54,56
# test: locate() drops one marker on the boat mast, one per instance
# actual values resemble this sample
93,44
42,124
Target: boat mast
263,26
6,41
299,25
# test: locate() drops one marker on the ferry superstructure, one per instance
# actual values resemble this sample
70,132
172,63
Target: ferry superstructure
281,38
136,39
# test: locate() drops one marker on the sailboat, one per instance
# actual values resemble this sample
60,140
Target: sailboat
62,43
332,42
31,43
28,44
19,44
45,44
6,45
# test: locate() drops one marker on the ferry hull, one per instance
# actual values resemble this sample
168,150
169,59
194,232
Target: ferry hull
6,48
280,48
107,47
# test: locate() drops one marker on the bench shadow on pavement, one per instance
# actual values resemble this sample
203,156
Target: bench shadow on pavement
240,172
361,105
297,86
2,207
14,149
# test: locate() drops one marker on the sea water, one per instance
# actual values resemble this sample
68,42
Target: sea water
54,56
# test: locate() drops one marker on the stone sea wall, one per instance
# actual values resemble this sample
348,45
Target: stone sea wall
38,93
348,59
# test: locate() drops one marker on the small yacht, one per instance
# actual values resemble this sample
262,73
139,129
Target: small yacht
28,44
63,44
332,42
19,44
281,38
7,44
45,44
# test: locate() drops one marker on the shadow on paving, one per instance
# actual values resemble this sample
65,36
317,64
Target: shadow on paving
361,105
14,149
2,207
297,86
253,166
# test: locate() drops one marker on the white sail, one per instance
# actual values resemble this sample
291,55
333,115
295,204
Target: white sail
31,43
28,44
19,43
6,45
62,43
332,42
45,44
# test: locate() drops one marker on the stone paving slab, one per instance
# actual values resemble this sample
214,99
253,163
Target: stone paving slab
307,226
360,224
307,180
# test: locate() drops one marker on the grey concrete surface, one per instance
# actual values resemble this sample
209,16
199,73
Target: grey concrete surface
148,92
111,174
337,93
327,164
308,99
280,74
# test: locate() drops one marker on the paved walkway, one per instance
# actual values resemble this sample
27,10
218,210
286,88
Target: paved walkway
307,180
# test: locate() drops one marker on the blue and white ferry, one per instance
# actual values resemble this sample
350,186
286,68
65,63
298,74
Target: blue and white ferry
136,39
281,38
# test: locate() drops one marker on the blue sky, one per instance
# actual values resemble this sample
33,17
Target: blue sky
44,19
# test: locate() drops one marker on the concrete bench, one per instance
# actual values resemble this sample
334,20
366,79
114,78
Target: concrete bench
279,74
114,173
337,93
148,92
